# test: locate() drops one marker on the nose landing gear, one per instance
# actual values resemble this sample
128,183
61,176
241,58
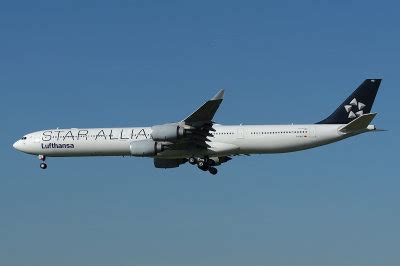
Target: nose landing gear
43,165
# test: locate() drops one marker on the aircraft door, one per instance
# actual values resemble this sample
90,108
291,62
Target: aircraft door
240,132
311,132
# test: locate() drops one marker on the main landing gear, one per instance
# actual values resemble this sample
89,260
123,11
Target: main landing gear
43,165
204,164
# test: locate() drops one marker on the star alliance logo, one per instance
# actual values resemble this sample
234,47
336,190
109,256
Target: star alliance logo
354,108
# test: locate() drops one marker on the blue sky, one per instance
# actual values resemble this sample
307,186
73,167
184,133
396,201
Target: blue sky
131,63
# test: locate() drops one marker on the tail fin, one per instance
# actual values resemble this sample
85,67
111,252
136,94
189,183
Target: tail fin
358,103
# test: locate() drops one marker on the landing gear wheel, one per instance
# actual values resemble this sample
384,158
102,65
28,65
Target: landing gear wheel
203,168
192,160
213,170
43,166
203,165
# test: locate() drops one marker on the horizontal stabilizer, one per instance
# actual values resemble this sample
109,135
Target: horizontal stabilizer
358,124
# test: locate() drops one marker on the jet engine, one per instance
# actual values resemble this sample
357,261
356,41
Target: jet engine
146,148
167,132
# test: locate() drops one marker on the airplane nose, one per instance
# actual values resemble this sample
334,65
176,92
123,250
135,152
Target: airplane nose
17,145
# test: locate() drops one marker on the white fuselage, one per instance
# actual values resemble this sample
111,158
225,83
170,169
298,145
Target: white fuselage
226,140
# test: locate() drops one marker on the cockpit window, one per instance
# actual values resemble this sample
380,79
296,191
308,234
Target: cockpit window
23,138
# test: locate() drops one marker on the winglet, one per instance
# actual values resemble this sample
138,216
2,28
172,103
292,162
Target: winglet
218,96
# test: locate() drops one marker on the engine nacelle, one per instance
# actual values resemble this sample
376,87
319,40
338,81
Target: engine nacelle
146,148
167,132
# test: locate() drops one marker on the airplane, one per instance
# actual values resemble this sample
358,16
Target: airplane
200,141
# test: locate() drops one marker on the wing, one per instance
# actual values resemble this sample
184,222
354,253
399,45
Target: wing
200,124
193,131
206,112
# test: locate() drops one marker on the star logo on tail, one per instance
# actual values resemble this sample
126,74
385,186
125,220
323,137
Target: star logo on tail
354,108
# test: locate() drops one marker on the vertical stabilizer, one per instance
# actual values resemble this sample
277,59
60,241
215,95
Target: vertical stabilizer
357,104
